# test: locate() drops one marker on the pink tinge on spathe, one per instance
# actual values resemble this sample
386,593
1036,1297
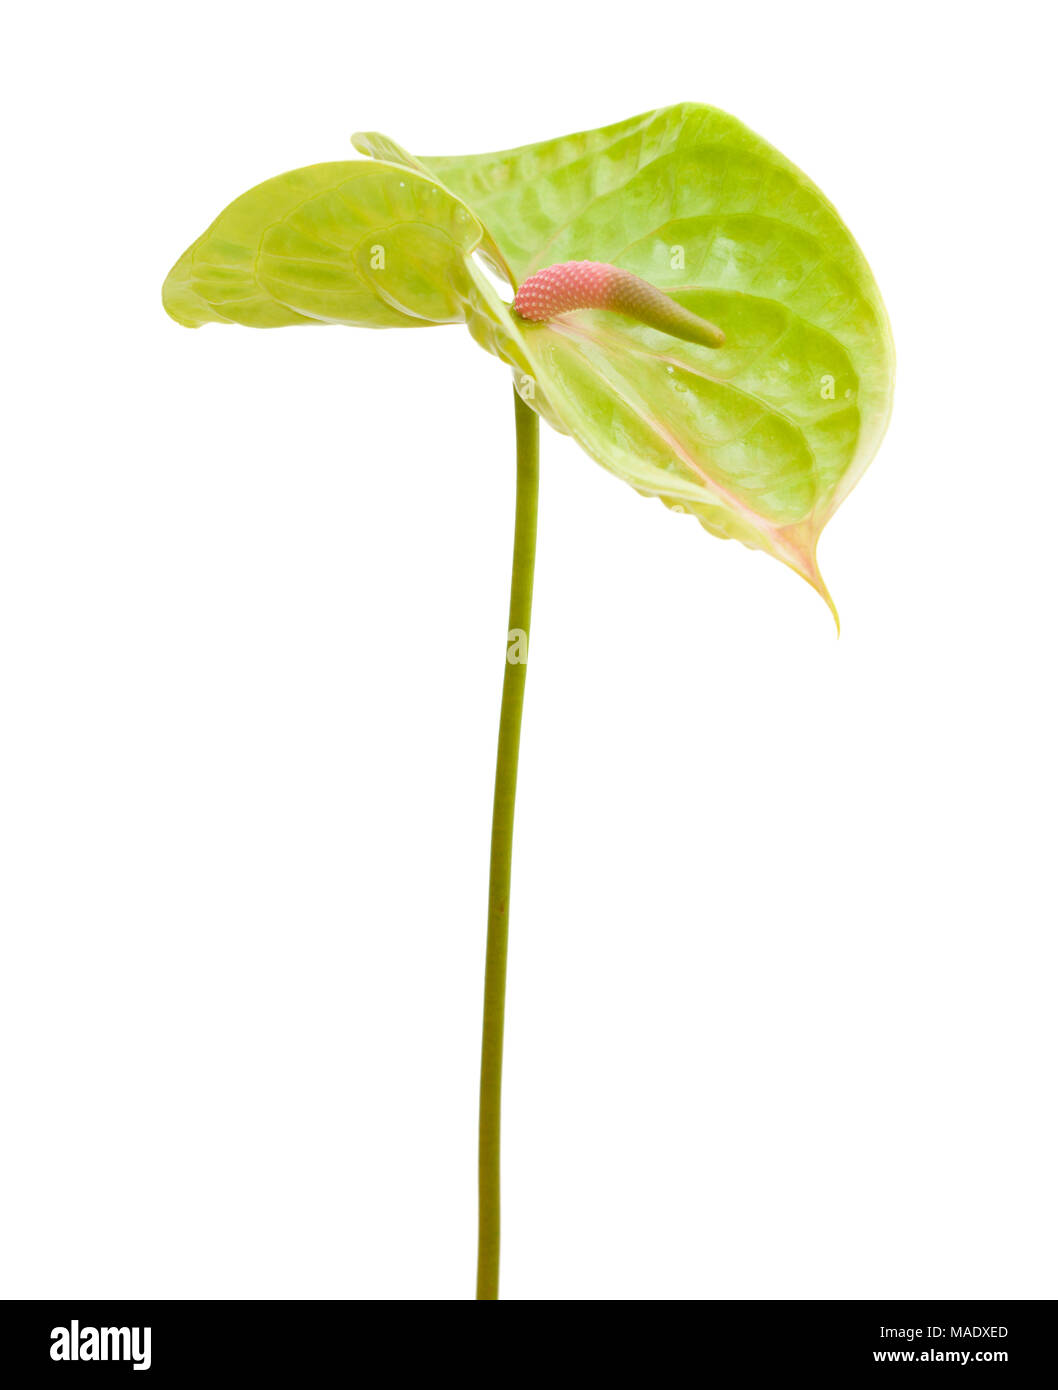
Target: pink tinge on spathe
560,288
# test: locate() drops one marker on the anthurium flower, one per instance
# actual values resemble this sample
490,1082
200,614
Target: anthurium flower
760,438
683,301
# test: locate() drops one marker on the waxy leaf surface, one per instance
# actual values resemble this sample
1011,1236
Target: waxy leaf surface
759,439
354,242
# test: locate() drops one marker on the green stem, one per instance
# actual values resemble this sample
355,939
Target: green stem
528,436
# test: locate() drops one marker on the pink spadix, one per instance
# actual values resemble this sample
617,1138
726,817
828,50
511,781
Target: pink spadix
557,289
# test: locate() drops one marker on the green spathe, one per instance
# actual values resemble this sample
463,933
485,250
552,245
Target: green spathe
760,439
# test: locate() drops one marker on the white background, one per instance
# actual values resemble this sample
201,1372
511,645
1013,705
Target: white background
782,972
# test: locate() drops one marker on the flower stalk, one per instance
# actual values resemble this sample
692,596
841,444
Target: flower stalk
527,431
